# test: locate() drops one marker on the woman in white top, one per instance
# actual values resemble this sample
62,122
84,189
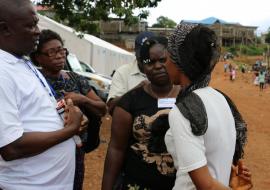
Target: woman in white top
207,133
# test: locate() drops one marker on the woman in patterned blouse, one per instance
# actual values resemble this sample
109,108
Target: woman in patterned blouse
51,56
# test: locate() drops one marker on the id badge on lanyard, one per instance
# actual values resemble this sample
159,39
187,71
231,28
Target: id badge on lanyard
166,102
60,104
60,107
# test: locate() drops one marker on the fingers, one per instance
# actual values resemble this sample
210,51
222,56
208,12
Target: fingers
82,129
240,165
246,173
244,170
63,92
84,121
234,171
245,179
246,176
68,105
71,108
84,125
69,102
247,186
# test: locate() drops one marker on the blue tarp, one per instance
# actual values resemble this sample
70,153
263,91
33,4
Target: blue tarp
207,21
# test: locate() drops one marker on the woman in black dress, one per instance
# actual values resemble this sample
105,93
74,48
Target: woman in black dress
137,151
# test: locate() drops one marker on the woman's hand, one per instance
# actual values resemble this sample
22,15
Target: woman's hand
240,177
84,125
76,98
72,115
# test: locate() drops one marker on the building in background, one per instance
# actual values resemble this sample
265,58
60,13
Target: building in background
161,31
122,35
229,34
117,32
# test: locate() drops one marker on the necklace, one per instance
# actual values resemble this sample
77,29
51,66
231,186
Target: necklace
158,97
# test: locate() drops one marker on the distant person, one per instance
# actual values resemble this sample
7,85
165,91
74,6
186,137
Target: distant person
129,75
243,68
51,57
261,79
256,79
36,146
207,133
233,74
225,67
230,67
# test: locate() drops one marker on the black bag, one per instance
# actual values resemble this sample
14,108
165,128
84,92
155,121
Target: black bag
93,128
92,137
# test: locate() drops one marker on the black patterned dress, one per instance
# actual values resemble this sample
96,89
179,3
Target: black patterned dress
147,163
77,84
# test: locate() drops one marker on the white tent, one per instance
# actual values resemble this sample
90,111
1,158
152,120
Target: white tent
104,57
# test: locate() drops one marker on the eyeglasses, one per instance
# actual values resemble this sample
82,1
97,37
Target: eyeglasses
54,52
152,62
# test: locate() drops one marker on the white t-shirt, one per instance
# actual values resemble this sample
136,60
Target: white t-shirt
124,79
214,149
26,107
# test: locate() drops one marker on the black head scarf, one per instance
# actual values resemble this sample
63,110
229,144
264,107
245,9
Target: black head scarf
194,50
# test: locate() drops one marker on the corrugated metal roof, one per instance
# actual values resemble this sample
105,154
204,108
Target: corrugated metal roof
208,21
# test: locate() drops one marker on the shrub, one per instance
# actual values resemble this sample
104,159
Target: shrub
246,50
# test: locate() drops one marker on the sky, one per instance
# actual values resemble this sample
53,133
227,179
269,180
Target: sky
245,12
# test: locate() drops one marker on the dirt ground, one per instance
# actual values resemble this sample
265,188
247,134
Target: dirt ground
255,108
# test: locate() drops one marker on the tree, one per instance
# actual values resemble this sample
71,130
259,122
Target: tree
82,14
267,37
164,22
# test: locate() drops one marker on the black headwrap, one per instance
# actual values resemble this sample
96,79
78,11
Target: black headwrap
194,50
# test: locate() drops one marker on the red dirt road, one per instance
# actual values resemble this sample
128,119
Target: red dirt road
255,108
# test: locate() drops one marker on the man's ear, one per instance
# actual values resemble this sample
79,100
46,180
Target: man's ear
4,29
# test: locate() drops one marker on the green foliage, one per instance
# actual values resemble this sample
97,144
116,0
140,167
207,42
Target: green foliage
164,22
258,40
267,37
232,49
252,50
246,50
80,14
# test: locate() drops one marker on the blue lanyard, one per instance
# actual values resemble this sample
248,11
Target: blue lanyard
52,89
28,63
64,81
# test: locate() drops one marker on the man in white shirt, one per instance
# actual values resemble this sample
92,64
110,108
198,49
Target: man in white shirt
128,76
36,149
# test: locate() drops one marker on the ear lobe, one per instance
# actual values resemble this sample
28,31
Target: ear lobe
4,30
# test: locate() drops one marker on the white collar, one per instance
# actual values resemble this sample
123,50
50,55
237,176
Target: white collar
135,69
8,57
